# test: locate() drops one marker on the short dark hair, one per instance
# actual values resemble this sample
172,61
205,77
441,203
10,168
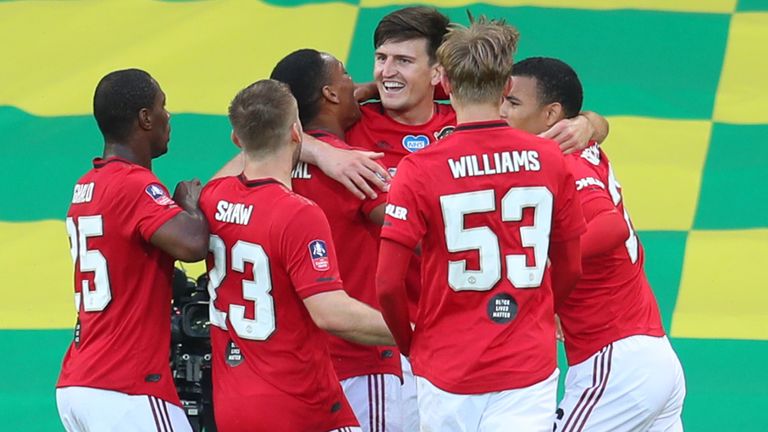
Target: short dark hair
306,72
413,23
261,115
555,82
119,97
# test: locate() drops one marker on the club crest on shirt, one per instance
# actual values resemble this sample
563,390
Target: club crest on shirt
318,252
444,132
157,193
414,143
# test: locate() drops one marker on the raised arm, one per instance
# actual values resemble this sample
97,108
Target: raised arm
574,134
185,236
599,123
356,170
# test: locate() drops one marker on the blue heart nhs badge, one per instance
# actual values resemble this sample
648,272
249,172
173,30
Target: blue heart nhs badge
415,143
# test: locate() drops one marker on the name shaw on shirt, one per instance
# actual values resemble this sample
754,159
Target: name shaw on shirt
494,163
237,213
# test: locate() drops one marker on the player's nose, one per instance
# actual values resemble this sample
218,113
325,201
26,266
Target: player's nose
388,69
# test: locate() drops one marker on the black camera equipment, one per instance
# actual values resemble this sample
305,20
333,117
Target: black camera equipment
191,349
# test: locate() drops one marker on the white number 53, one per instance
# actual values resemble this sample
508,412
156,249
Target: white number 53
486,242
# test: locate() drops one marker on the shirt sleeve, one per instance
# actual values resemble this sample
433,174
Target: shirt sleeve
606,227
568,219
152,204
367,205
308,251
404,221
587,180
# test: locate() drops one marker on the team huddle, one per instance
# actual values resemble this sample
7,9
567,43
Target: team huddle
397,266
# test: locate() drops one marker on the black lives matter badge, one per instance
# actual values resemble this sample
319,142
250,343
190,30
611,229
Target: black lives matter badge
502,308
233,355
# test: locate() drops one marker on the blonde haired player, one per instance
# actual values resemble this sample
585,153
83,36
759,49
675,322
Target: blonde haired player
489,206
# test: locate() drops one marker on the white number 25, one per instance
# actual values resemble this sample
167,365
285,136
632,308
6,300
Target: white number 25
98,298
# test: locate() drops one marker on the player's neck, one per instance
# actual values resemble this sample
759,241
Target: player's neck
469,113
278,167
415,116
328,123
127,151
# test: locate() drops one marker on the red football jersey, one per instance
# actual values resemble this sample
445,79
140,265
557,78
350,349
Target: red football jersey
270,249
613,298
357,240
376,131
485,203
122,282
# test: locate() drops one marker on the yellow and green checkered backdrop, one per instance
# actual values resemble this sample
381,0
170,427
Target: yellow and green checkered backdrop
684,84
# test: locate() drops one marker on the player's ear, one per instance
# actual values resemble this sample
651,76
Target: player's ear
445,83
330,95
553,113
297,134
145,119
507,87
437,74
236,140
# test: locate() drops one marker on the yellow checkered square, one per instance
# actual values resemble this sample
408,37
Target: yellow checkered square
743,93
659,165
722,290
201,53
39,291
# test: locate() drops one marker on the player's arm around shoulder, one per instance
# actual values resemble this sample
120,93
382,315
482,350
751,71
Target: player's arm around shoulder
185,236
311,263
575,134
357,170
